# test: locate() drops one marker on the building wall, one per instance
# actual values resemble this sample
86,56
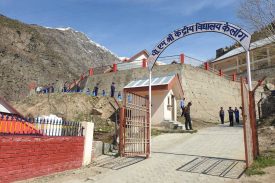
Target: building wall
158,103
207,91
23,157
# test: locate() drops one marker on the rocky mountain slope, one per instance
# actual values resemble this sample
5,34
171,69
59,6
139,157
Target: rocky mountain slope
34,54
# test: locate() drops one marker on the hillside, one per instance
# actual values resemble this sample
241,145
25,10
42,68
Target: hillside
69,106
74,107
35,54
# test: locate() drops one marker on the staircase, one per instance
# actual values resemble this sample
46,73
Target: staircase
81,81
174,125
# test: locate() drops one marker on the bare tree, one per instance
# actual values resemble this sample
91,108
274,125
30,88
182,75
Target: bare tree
259,15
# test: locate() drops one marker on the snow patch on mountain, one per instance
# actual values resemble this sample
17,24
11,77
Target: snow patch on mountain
89,40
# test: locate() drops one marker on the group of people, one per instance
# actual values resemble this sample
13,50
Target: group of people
231,114
49,88
112,89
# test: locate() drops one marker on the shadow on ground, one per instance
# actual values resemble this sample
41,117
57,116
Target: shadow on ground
116,163
214,166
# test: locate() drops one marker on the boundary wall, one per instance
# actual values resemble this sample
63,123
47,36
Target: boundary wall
23,157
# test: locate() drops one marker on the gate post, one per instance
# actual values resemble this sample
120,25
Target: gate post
234,76
144,63
91,71
121,129
206,66
114,67
182,58
220,73
253,123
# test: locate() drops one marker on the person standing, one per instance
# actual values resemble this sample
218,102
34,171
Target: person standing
65,87
119,96
88,92
96,89
237,115
113,89
222,115
231,116
78,88
103,93
188,125
182,106
52,88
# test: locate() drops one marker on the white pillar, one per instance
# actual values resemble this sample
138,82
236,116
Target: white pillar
252,61
88,143
248,70
150,108
268,56
237,69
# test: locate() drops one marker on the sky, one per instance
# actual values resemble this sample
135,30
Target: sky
128,26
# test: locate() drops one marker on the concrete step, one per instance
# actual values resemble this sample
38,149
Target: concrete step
173,125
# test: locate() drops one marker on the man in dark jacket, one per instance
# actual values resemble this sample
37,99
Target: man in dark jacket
237,115
231,116
188,125
222,115
96,90
113,89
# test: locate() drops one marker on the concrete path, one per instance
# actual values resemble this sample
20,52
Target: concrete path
213,154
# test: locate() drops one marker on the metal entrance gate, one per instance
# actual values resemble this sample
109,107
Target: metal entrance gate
249,124
134,126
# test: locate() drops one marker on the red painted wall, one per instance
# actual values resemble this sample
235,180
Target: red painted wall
23,157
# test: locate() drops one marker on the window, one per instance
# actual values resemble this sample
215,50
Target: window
272,51
261,65
242,59
260,54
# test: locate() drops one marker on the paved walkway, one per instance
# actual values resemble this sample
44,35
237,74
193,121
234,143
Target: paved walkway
213,154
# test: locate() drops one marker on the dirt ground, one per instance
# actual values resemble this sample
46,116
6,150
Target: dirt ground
69,106
266,134
74,107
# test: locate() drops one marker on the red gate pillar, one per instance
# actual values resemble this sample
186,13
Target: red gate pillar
91,71
121,130
114,67
206,66
144,63
253,124
182,58
234,76
220,73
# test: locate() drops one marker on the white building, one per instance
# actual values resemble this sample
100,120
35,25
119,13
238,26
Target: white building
165,91
262,56
135,61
